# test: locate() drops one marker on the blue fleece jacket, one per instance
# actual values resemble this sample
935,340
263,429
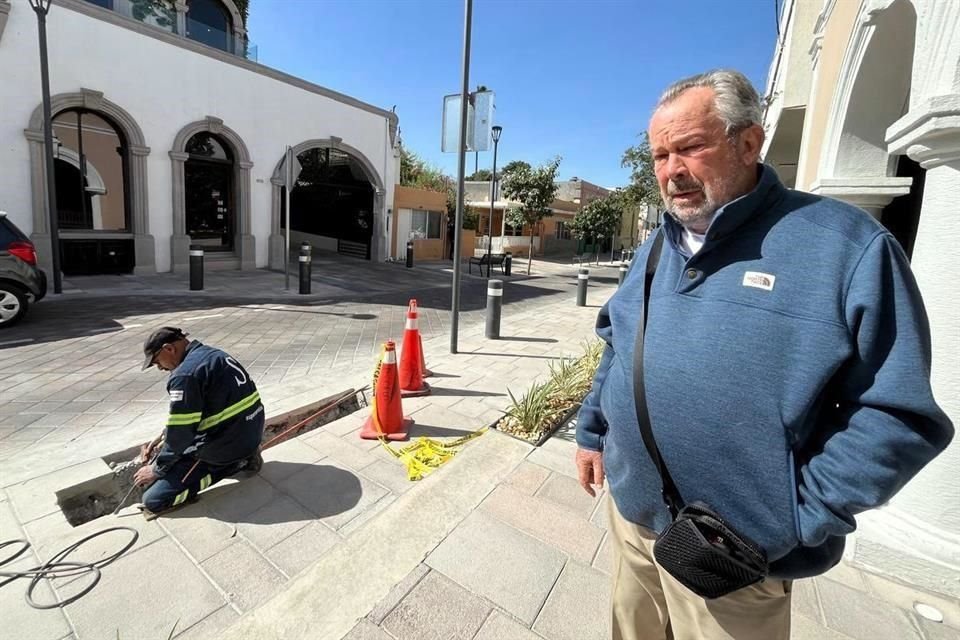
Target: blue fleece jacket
787,367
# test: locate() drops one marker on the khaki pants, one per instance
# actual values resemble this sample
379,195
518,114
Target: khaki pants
649,604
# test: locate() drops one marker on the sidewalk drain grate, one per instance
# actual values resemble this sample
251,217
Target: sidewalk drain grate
99,496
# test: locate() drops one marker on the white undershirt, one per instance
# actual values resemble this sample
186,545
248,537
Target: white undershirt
693,242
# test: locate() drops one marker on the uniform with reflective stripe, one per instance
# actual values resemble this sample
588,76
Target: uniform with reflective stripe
215,410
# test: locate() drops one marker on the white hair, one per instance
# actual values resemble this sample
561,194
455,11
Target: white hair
736,101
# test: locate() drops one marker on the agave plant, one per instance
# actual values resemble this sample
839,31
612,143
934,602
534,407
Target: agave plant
570,380
592,352
533,412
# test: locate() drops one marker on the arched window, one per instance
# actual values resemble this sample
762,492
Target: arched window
208,21
90,172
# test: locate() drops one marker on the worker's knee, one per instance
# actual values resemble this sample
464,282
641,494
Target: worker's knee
156,499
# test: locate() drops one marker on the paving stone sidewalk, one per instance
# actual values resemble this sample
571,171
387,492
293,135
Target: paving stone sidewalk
70,373
205,565
534,562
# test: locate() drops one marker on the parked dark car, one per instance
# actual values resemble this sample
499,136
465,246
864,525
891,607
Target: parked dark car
21,282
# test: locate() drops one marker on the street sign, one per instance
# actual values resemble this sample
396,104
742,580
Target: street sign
479,121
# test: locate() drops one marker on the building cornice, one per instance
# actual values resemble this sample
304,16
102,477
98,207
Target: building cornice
868,193
94,11
928,134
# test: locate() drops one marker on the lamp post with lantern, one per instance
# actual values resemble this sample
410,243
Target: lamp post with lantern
42,8
495,131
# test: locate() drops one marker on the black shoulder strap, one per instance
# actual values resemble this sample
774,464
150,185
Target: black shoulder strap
669,491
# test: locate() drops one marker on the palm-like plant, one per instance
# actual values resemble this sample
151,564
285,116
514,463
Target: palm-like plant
570,380
533,412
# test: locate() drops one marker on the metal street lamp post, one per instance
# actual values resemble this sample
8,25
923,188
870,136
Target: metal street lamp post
41,8
496,131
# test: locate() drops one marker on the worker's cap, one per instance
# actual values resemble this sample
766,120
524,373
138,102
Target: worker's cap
156,341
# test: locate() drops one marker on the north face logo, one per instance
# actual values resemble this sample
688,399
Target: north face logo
759,280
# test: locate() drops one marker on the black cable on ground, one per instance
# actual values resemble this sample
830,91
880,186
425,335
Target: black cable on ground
59,567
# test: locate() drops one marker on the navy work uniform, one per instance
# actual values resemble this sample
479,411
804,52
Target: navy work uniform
214,430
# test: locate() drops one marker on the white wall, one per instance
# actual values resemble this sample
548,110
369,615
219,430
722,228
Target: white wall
165,87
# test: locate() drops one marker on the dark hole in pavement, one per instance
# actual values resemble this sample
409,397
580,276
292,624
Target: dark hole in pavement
97,497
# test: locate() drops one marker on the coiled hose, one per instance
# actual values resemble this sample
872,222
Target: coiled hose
59,567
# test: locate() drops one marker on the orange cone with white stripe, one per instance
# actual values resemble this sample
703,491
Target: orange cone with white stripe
411,358
423,360
386,419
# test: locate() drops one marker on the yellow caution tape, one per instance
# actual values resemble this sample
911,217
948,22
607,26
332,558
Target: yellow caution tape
425,455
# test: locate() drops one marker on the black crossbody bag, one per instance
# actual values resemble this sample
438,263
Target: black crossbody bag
699,549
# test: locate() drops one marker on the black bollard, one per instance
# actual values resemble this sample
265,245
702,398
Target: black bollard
196,267
582,278
494,307
306,263
507,264
624,266
409,254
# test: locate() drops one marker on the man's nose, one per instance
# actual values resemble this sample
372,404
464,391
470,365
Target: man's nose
675,167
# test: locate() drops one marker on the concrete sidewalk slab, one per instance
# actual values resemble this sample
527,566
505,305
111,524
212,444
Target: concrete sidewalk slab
136,604
437,609
477,552
500,626
328,599
545,521
578,607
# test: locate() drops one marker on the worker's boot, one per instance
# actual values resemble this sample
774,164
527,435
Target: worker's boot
252,465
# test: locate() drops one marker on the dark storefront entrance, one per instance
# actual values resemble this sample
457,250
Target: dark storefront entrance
208,181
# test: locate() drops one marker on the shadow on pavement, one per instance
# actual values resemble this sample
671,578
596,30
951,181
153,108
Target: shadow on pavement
512,355
443,391
524,339
101,312
431,431
322,489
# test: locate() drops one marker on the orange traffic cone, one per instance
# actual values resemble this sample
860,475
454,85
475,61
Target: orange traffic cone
386,419
411,358
423,361
424,371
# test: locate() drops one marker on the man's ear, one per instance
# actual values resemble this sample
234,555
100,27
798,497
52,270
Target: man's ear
749,144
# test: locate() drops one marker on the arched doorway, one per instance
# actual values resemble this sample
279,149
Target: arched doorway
100,170
211,158
332,203
91,176
337,203
208,191
873,92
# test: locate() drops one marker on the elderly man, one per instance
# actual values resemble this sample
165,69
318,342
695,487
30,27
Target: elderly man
784,372
215,424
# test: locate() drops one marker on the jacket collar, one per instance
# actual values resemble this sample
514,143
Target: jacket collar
193,344
735,213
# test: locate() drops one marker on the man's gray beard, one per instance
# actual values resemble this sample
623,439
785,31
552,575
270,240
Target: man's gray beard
699,217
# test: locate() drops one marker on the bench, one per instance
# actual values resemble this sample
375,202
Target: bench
491,260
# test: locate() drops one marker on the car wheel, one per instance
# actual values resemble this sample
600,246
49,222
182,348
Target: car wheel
13,305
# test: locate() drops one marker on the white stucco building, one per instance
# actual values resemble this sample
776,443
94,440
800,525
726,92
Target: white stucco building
168,134
865,107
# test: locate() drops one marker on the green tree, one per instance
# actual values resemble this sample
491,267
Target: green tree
481,175
513,165
417,173
599,219
535,190
643,188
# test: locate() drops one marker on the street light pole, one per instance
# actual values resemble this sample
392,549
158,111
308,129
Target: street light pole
41,8
496,131
461,166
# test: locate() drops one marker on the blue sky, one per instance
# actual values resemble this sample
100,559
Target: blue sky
575,78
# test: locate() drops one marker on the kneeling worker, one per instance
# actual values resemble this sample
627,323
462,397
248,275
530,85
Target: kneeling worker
215,425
